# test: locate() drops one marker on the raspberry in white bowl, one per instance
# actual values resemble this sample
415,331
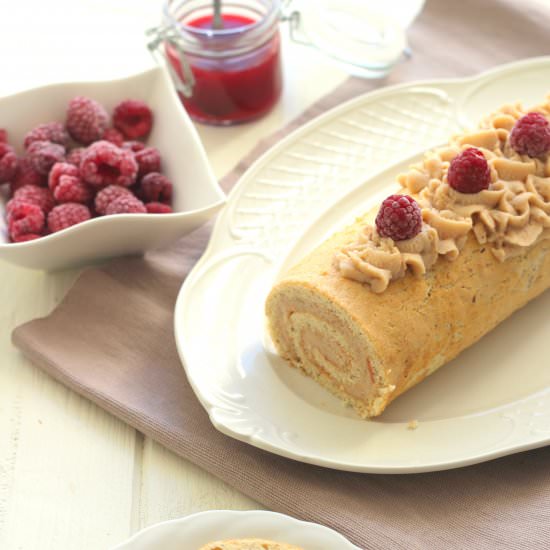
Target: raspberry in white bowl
39,141
79,160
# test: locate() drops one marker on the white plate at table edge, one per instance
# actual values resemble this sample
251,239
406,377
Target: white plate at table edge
228,411
213,525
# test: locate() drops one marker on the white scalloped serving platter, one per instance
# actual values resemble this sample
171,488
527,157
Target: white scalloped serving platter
193,532
493,400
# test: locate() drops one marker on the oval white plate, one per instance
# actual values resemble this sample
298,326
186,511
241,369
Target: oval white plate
197,196
474,409
192,532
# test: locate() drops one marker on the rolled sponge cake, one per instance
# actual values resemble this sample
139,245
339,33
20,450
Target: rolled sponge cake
369,348
248,544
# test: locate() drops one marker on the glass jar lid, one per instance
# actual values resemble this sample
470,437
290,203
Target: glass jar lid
361,37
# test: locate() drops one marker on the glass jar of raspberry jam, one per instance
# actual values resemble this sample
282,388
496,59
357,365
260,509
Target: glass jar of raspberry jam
229,73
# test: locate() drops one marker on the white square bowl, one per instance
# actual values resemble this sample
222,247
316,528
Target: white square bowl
197,196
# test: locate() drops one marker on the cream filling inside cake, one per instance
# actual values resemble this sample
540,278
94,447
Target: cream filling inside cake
318,339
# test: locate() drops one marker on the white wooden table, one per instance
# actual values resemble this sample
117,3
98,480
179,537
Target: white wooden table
71,475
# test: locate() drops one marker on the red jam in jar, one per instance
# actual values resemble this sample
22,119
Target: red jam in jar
236,68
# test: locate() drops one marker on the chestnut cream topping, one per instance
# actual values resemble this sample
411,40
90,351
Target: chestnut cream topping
510,216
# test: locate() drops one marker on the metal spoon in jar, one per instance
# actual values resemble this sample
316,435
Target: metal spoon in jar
217,21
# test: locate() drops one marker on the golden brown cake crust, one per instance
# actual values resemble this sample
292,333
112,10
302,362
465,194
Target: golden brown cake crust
417,324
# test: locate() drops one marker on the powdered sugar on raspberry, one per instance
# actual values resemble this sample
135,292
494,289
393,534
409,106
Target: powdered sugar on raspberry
66,215
27,175
61,169
8,162
106,164
72,189
125,204
75,156
24,219
66,184
39,196
51,131
86,120
107,195
44,154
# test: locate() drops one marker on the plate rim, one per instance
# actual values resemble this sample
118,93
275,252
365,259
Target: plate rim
477,80
128,543
373,94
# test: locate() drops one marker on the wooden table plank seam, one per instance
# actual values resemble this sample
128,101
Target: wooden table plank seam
8,462
137,512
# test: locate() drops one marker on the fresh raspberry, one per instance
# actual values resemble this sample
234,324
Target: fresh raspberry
61,169
158,208
44,154
399,218
27,175
24,219
75,156
8,162
114,136
39,196
86,120
148,160
12,206
125,204
108,195
531,135
3,135
66,185
105,164
25,237
65,215
469,172
155,187
51,131
73,189
134,146
133,118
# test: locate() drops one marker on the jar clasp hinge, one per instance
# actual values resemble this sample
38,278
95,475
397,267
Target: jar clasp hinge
167,35
291,13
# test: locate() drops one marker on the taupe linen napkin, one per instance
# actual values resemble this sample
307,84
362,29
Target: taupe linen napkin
111,340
